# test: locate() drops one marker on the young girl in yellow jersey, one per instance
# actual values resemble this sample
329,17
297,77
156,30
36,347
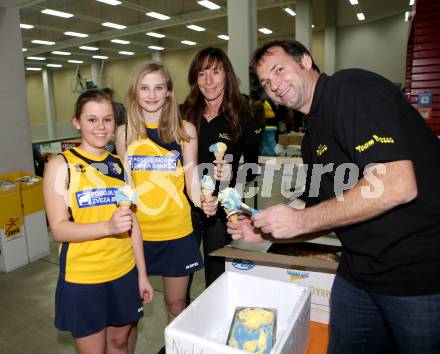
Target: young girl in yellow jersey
162,153
103,281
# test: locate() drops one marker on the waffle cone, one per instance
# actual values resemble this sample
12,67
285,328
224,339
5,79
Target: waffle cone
219,155
125,204
232,216
207,192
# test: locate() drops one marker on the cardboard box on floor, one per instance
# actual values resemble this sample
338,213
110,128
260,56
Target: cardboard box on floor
290,139
203,327
267,260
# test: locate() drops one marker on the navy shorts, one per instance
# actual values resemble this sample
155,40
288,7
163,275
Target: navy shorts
86,309
174,258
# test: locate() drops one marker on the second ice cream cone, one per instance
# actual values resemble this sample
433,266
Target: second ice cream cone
125,204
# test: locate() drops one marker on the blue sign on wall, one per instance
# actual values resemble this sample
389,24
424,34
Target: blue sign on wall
424,99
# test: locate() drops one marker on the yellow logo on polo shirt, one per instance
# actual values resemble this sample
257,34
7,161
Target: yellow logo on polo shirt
115,167
321,149
224,136
376,139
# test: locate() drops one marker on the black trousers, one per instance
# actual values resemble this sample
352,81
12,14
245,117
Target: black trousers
212,232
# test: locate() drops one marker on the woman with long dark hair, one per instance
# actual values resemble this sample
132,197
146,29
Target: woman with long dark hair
220,114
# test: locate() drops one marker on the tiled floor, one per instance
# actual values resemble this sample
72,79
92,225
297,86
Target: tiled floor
27,305
27,311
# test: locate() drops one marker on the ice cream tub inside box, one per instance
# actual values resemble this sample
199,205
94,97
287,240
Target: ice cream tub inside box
204,326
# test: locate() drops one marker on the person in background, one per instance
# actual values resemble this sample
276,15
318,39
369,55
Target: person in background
162,153
257,108
103,280
216,108
386,293
121,114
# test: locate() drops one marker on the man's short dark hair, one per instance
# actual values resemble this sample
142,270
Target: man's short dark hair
293,48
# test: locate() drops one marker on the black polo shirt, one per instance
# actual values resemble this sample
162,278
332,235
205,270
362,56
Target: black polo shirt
358,118
217,130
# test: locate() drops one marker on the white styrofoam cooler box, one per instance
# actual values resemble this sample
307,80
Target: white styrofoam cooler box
320,284
204,326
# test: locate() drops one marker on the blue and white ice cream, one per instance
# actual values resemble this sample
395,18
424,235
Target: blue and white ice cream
208,185
125,196
230,199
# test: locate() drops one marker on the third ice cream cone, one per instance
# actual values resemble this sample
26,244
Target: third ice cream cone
232,216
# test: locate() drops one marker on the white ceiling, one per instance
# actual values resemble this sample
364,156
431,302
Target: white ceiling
90,14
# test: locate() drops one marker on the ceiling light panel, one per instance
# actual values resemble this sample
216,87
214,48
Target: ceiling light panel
25,26
54,65
360,16
289,11
38,41
223,36
58,52
56,13
157,15
119,41
114,25
24,49
265,30
411,2
196,28
110,2
208,4
76,34
36,58
33,69
123,52
85,47
155,34
75,61
155,47
188,42
354,2
103,57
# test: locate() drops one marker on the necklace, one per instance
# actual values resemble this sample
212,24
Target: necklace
210,114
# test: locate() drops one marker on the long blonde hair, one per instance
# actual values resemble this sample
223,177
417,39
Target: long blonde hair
170,127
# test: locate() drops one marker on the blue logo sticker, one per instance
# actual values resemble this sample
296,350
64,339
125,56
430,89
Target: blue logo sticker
242,264
95,197
153,163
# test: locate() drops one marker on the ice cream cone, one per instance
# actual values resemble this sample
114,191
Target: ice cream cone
219,155
125,204
207,193
232,217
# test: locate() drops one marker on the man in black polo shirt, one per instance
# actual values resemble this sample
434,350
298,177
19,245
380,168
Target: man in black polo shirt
373,177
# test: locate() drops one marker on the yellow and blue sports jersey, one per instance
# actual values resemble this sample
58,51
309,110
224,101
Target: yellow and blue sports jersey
92,183
158,177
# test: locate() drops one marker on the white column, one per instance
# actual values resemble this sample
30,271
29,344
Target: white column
330,38
156,56
303,23
95,70
242,31
15,132
49,102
